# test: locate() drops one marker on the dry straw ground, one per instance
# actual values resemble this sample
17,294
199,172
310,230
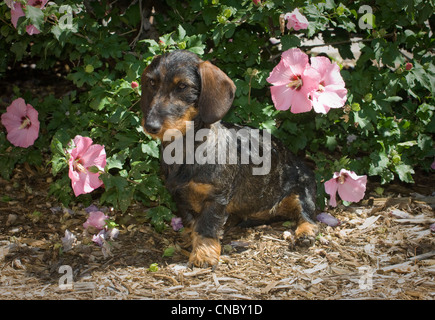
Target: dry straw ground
383,249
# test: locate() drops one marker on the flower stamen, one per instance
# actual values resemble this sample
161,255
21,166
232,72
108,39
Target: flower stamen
321,87
295,84
341,179
25,124
79,167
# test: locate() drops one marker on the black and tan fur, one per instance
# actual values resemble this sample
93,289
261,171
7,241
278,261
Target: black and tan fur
179,87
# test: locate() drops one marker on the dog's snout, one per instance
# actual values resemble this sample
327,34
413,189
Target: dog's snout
152,126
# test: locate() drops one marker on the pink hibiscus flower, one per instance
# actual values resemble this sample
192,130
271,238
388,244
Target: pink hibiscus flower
84,156
21,123
293,79
296,20
331,92
97,219
17,12
350,186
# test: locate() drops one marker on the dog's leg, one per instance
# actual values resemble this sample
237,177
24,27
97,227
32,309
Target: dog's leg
206,248
306,229
300,208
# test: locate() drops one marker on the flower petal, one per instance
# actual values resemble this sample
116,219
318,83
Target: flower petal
353,189
296,20
280,75
328,99
318,106
300,102
95,155
82,144
96,219
310,80
31,29
94,181
16,13
281,96
296,60
328,219
331,187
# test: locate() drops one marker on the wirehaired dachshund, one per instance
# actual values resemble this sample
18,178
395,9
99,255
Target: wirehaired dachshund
185,95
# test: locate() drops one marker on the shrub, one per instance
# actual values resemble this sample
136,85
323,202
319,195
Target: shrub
384,130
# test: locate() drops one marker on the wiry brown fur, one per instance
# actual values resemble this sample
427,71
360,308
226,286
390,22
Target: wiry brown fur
179,87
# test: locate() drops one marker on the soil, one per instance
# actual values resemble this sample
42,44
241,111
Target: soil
383,249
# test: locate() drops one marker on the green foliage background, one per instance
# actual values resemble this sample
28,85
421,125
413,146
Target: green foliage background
385,130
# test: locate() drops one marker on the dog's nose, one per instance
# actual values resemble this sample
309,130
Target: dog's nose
152,127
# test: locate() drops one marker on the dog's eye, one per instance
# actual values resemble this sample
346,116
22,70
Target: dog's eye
152,82
181,86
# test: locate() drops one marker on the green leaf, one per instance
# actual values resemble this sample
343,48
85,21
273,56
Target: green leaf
118,192
169,252
181,33
290,41
110,224
158,216
93,169
405,172
35,15
19,48
116,161
151,148
58,163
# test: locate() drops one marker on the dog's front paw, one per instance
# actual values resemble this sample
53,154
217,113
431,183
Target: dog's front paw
205,252
305,234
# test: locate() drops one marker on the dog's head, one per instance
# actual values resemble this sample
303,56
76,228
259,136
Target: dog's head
179,87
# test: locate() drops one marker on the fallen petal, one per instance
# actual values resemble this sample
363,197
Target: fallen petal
328,219
68,241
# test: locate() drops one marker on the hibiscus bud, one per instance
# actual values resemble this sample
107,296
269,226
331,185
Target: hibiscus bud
368,97
395,157
134,84
408,66
89,68
355,106
282,22
382,33
340,10
182,45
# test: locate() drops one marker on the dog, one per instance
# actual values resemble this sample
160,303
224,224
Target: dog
180,88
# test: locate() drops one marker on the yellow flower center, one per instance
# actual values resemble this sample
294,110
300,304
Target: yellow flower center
295,83
26,123
78,166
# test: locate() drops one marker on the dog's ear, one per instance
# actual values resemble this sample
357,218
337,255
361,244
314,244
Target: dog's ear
217,93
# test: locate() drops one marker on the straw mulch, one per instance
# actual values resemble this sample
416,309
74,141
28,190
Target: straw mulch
383,249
